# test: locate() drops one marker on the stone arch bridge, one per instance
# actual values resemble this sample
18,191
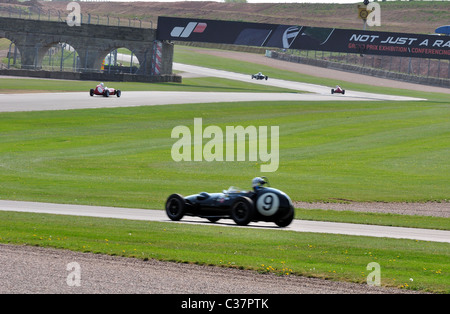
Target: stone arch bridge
93,43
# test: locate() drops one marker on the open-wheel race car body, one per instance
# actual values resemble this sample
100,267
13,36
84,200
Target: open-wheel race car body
260,204
338,90
104,91
259,76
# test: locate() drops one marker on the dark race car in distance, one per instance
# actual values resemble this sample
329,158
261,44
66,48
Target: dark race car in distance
259,76
260,204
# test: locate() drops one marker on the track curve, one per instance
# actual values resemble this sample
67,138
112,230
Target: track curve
82,100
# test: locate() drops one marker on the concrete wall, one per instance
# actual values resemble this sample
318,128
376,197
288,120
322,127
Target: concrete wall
93,76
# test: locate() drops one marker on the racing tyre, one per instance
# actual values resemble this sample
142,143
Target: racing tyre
106,93
343,92
243,211
266,78
175,207
332,91
118,93
91,92
287,219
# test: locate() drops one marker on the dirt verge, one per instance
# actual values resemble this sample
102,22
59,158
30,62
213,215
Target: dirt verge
37,270
433,209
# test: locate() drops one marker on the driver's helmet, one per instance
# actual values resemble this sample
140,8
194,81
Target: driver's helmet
102,85
258,183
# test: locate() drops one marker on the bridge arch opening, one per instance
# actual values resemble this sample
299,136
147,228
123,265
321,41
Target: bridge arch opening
58,56
10,56
120,60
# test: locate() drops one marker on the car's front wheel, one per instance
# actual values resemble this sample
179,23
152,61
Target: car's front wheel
175,207
287,219
243,211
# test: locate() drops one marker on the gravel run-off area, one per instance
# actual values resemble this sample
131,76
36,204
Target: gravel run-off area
36,270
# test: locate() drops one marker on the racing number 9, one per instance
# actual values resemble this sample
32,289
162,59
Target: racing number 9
268,204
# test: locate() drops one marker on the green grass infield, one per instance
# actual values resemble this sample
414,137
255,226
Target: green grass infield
358,151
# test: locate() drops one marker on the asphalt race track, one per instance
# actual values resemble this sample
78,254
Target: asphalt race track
78,100
296,225
318,90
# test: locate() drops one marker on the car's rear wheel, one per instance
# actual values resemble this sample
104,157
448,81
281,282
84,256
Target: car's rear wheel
175,207
91,92
243,211
106,93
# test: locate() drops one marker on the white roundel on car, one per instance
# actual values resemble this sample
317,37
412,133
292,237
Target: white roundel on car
267,204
